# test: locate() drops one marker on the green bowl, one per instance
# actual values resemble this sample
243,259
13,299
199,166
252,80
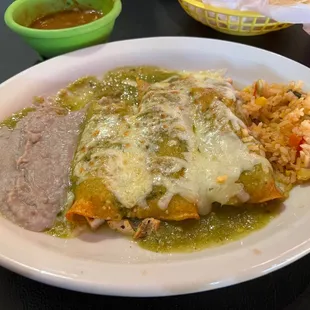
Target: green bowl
48,43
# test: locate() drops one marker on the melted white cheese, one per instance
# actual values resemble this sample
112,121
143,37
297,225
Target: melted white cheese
128,177
125,150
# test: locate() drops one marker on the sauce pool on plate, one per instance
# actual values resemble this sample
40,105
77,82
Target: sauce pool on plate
66,19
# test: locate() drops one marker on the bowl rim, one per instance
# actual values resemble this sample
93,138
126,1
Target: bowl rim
66,32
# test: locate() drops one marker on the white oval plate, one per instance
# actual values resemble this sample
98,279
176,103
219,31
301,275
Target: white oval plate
110,264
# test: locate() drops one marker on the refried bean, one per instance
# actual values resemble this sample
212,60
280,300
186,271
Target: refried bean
35,166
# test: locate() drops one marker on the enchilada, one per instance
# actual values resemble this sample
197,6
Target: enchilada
169,153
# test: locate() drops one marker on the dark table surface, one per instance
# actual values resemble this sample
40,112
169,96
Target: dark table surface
288,288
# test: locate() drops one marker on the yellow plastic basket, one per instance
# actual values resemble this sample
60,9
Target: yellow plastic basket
241,23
